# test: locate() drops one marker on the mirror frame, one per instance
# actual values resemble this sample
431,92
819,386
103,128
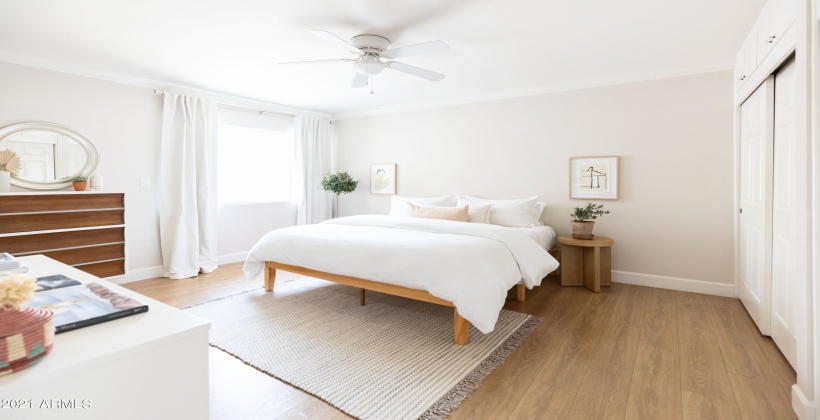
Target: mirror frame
91,151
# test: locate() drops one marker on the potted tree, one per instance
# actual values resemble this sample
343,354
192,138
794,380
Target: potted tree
582,220
80,182
338,183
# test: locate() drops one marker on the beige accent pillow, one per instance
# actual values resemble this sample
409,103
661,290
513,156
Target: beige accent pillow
457,214
398,203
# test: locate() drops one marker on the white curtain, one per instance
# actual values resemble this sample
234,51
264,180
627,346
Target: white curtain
314,148
187,185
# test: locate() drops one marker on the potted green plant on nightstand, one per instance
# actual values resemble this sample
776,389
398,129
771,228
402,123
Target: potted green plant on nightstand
582,220
80,182
338,183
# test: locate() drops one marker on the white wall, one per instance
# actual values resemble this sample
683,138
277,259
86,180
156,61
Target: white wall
124,123
674,136
814,284
242,225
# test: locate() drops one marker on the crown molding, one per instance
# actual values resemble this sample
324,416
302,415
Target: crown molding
531,92
221,97
241,101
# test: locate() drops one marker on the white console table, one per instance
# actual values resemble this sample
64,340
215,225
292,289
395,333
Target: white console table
152,365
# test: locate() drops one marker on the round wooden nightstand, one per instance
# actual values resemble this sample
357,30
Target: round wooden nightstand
586,262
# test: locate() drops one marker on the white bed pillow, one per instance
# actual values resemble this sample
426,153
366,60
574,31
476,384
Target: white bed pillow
398,206
478,213
512,213
537,212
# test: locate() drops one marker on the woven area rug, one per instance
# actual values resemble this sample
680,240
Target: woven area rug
393,358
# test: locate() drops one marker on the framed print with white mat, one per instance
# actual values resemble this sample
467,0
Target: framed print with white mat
593,178
383,178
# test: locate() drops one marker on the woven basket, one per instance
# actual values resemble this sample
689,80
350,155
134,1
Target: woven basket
26,336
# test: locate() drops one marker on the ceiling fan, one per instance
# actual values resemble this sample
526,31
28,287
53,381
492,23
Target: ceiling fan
371,50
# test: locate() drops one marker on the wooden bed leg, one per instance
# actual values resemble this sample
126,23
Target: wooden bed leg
521,293
461,329
361,297
270,278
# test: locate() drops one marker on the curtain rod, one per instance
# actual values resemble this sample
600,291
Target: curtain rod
261,111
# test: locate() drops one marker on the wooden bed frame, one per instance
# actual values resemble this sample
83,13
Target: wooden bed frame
461,326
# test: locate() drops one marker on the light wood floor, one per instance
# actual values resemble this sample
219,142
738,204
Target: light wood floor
628,352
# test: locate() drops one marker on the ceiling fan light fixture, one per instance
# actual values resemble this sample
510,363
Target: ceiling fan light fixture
369,66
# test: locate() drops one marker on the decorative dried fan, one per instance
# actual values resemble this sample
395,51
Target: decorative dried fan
9,162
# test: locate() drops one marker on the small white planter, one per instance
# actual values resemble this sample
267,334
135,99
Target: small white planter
5,181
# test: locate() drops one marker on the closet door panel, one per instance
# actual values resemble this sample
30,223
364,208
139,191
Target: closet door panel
754,246
785,214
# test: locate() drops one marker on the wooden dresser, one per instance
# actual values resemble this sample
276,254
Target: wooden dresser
82,229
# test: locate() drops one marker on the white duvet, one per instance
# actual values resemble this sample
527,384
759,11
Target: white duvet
472,265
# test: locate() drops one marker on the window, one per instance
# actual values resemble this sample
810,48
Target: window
254,165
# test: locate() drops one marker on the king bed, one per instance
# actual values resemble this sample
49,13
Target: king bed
467,266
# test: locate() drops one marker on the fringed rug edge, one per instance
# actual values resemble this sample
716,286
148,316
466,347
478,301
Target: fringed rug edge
453,398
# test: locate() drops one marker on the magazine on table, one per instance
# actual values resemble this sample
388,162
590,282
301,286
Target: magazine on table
77,305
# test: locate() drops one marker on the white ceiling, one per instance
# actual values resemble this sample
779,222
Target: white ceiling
498,47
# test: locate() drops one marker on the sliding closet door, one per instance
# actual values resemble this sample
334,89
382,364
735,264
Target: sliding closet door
785,213
754,285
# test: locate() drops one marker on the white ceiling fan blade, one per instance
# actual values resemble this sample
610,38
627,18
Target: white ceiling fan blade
418,49
335,60
335,40
415,71
359,81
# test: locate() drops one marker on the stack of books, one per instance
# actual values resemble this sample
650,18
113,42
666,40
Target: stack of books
9,264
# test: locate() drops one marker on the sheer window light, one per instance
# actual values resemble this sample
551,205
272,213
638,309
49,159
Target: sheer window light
254,165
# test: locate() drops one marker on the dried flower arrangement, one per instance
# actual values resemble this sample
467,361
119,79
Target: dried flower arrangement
9,162
15,290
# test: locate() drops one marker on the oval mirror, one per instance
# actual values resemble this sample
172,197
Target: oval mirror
50,154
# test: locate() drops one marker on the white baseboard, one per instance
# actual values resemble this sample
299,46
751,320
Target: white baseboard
152,272
138,274
801,405
232,258
674,283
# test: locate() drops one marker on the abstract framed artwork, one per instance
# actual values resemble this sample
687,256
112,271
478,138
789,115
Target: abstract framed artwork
593,178
383,178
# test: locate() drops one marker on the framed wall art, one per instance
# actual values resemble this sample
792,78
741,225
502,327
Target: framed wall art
593,178
383,178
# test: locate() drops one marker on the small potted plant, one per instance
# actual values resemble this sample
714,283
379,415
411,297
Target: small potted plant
338,183
80,182
582,220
